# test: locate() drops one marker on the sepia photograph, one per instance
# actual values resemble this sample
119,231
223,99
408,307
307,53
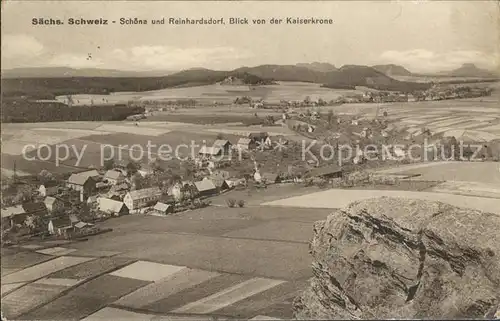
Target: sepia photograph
250,160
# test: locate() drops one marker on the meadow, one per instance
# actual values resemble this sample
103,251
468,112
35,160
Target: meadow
222,94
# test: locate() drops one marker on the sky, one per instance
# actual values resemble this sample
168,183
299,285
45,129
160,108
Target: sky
422,35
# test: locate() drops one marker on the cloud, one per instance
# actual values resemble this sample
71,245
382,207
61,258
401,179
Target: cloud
75,61
21,46
166,57
150,58
421,60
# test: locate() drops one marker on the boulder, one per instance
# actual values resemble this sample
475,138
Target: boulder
402,258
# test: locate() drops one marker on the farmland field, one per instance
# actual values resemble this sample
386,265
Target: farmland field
338,198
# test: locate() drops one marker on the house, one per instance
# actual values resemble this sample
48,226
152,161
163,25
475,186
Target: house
270,178
13,215
245,144
205,187
178,190
81,183
114,177
218,177
119,188
224,145
92,200
53,204
81,225
110,206
326,172
162,209
61,226
233,182
141,198
92,173
49,188
208,152
145,170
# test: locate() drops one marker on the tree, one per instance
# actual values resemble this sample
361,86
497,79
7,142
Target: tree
307,100
138,182
45,173
231,202
34,223
109,164
132,168
220,136
330,116
188,170
156,166
23,196
69,100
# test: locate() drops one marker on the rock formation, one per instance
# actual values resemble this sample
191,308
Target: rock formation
403,258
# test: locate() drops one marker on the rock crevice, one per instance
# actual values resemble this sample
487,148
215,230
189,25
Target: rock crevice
401,258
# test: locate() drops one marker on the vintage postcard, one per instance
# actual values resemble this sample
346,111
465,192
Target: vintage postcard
250,160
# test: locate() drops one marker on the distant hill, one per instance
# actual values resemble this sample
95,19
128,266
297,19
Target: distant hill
62,72
318,66
347,77
393,70
470,70
284,73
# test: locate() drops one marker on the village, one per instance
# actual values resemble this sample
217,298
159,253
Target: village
435,93
54,207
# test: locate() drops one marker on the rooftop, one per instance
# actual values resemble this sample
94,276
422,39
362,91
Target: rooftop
12,211
36,207
145,192
113,174
109,205
161,207
205,185
49,200
78,179
221,143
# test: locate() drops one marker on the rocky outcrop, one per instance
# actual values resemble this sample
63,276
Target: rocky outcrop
403,258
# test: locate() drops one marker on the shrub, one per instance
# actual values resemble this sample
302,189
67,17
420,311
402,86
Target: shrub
231,202
322,184
241,203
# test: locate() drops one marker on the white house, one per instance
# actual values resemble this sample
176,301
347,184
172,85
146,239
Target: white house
111,206
162,209
82,182
205,187
177,190
141,198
